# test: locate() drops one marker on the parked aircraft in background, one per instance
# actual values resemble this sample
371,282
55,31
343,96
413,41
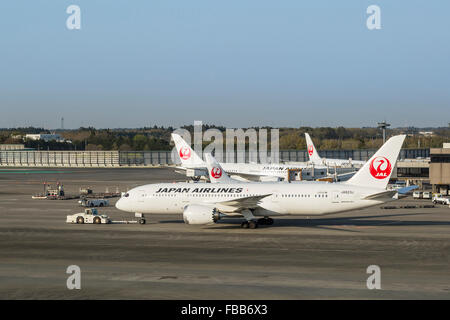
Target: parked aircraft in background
315,159
202,203
194,166
216,173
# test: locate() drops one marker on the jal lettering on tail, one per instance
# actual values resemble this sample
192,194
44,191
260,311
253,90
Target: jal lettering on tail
380,167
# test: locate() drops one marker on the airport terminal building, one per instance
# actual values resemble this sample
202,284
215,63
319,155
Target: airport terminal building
440,169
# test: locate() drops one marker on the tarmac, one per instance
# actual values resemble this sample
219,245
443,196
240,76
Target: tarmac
296,258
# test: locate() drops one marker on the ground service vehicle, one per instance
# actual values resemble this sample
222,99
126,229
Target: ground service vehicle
417,194
93,202
88,216
426,195
438,198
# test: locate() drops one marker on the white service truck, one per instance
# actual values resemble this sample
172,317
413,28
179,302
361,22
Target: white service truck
93,202
417,194
438,198
88,216
427,195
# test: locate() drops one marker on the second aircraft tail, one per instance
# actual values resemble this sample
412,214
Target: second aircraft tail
215,171
187,156
312,151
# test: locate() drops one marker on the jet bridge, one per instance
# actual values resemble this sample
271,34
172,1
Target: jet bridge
294,174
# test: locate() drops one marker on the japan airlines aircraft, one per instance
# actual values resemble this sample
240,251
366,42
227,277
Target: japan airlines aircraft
203,203
216,173
315,159
244,171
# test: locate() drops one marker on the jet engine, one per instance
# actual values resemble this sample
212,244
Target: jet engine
198,214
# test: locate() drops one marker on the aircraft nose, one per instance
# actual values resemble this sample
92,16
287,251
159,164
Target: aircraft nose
119,204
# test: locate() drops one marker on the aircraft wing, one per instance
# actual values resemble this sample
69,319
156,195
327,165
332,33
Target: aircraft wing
247,176
191,168
240,178
391,193
192,172
406,189
240,203
344,176
383,194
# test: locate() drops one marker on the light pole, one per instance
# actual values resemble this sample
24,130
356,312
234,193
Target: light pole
383,125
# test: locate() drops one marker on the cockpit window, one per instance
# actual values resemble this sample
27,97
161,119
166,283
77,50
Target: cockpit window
126,195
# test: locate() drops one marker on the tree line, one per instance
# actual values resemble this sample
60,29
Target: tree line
158,138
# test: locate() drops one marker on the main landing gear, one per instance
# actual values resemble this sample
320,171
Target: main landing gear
265,221
253,224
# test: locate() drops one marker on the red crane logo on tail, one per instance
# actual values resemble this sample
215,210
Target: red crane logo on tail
310,150
380,168
216,173
185,153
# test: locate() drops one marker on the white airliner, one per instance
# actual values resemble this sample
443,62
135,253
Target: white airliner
216,173
315,159
190,160
203,203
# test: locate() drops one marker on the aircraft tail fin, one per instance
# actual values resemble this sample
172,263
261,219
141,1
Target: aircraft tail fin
215,171
312,151
376,172
187,156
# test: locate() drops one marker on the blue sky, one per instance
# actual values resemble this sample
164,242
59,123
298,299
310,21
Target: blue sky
233,63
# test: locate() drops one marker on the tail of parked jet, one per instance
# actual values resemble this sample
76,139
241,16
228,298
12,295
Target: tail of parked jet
312,151
187,156
215,171
377,171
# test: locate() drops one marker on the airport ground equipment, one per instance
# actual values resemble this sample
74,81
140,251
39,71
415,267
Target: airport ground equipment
417,194
93,202
85,191
96,198
88,216
439,198
140,220
426,195
428,206
51,192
